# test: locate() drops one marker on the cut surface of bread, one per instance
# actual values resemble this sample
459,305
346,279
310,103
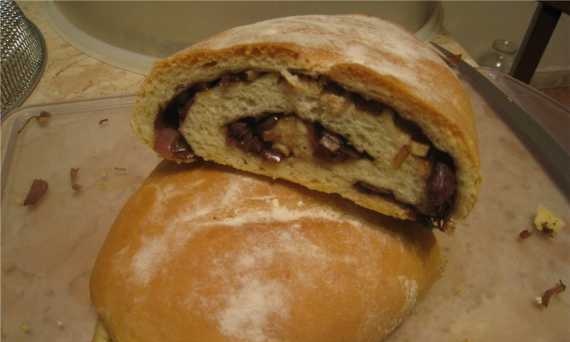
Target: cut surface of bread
205,253
350,105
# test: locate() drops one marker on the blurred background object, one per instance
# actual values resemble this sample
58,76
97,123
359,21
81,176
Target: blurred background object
537,37
501,55
475,24
22,53
136,33
76,70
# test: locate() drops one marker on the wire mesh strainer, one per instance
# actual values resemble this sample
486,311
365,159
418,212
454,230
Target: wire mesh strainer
22,55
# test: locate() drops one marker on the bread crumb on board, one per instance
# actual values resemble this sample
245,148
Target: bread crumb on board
545,221
524,234
25,328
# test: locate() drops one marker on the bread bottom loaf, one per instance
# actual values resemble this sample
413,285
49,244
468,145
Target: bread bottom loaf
204,253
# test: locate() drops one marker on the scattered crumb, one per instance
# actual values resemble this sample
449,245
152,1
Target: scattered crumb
120,170
102,183
546,222
37,190
107,176
41,118
25,328
73,175
458,290
103,121
60,325
525,234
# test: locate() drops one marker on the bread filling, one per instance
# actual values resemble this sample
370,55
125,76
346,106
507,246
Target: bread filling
296,125
276,136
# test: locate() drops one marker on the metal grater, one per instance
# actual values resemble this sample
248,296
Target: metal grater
22,56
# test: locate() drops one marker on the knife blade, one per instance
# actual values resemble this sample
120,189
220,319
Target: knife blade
550,145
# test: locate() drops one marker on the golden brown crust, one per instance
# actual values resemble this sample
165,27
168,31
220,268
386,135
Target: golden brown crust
374,58
204,253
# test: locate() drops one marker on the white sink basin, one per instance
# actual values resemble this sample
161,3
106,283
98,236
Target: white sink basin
132,35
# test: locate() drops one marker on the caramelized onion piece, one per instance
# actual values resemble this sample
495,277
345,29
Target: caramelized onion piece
441,188
170,144
41,118
37,190
401,156
253,135
544,300
330,146
241,134
525,234
73,175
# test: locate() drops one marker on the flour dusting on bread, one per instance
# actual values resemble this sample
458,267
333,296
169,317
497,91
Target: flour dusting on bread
323,32
228,211
251,299
180,277
281,214
251,308
410,287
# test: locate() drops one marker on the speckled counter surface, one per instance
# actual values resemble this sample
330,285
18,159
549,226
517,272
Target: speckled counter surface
486,292
71,74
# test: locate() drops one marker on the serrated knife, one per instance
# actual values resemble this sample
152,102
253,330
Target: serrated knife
550,143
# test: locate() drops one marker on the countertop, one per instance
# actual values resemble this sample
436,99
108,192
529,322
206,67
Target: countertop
486,292
71,74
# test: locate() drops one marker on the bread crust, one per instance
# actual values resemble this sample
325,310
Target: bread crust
376,59
205,253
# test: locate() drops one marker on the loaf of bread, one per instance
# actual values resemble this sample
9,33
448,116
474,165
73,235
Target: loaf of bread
346,104
205,253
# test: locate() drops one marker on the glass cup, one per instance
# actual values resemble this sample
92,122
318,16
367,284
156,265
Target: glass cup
501,56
